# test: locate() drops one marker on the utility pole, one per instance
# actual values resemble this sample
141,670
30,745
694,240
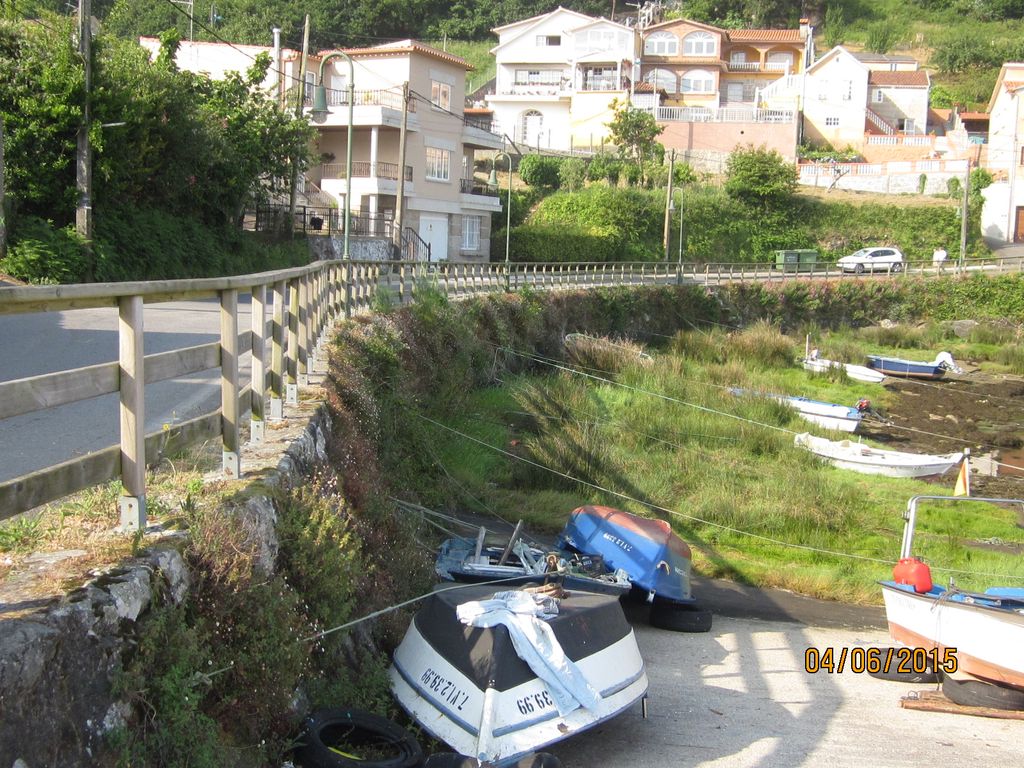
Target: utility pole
963,214
300,100
400,201
3,201
667,234
83,155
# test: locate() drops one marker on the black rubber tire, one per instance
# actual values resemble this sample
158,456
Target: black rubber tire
894,675
679,617
859,269
897,268
326,727
978,693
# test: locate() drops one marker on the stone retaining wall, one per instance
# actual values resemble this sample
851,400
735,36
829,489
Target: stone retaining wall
58,659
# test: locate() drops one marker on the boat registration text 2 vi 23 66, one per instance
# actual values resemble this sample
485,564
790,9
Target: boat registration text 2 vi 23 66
904,660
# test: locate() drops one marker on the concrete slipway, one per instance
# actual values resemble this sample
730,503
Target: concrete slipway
739,697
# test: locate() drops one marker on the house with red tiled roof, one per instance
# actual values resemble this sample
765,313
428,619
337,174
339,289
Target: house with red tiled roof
699,65
708,82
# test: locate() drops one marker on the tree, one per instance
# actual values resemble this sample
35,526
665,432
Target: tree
760,178
634,132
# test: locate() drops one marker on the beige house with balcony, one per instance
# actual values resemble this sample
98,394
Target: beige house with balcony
699,65
444,206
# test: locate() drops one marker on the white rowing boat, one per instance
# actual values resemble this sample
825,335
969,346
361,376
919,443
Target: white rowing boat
855,372
876,461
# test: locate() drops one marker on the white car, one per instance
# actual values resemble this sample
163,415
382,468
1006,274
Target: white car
872,260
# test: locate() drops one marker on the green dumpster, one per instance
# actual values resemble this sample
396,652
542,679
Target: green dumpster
796,260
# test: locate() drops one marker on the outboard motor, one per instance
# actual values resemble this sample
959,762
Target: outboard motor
945,360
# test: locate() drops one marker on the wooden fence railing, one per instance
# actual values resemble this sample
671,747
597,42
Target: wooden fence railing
290,313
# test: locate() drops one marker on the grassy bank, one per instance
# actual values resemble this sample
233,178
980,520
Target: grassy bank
668,439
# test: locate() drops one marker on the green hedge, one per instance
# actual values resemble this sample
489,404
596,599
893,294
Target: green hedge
142,245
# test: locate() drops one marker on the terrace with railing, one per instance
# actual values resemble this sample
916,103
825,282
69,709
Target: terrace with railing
338,97
364,169
723,115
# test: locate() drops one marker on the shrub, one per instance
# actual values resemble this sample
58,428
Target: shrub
540,171
41,254
954,188
572,174
604,167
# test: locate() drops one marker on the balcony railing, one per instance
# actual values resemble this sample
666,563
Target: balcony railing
744,66
603,84
483,124
723,115
474,187
362,169
338,97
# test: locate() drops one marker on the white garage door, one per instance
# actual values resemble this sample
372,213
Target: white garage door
434,230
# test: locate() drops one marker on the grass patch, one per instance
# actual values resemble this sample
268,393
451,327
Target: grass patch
755,507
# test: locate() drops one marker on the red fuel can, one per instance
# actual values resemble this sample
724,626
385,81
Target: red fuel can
910,570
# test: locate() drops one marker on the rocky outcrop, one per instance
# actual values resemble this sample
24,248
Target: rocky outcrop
58,660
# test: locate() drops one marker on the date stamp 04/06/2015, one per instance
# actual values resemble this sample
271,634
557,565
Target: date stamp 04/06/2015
900,660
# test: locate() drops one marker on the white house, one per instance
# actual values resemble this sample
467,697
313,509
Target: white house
846,96
444,206
1002,217
557,75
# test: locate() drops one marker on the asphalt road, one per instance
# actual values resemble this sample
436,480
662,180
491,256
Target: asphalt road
44,342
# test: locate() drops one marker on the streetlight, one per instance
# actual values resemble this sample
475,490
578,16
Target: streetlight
319,112
508,205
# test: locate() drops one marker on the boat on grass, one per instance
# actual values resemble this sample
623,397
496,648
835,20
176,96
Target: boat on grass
855,372
468,560
842,418
983,632
868,460
914,369
468,687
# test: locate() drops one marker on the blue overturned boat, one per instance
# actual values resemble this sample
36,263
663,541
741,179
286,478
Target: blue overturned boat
655,558
657,561
914,369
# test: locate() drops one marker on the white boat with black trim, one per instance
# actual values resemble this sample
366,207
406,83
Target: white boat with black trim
468,687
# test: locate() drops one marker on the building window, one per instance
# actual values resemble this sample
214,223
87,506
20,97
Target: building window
779,62
538,76
698,81
831,121
663,80
470,233
738,57
544,41
661,44
310,83
879,97
440,95
439,164
699,44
